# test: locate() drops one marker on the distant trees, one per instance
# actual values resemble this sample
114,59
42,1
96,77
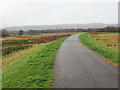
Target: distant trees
21,32
112,29
31,32
106,29
35,32
4,33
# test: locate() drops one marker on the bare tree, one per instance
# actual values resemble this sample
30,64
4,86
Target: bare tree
4,33
21,32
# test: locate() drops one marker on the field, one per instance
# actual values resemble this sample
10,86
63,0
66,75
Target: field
13,44
19,37
105,44
108,39
28,61
31,64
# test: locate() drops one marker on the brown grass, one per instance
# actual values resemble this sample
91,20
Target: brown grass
17,43
108,39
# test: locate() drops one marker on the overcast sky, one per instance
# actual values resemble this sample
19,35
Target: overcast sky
42,12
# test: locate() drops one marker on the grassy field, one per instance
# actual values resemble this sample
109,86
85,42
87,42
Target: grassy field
31,68
105,44
19,43
19,37
108,39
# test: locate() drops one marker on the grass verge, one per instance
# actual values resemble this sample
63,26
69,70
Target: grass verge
31,68
100,48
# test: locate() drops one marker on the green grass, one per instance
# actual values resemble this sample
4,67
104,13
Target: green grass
100,48
31,68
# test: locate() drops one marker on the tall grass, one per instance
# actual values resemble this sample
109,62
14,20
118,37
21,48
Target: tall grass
46,39
100,48
10,46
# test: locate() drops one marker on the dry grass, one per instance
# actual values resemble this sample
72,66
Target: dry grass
104,44
17,43
18,37
108,39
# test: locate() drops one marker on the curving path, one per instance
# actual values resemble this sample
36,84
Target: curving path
78,67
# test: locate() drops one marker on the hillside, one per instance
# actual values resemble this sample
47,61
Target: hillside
60,26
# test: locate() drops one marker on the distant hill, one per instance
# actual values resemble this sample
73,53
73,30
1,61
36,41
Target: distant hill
60,26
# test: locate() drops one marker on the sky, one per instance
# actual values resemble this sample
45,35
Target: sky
49,12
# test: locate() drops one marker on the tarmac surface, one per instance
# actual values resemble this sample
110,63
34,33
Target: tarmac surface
79,67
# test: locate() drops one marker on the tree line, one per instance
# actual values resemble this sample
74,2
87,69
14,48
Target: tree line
34,32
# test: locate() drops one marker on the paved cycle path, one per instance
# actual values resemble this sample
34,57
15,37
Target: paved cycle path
78,67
